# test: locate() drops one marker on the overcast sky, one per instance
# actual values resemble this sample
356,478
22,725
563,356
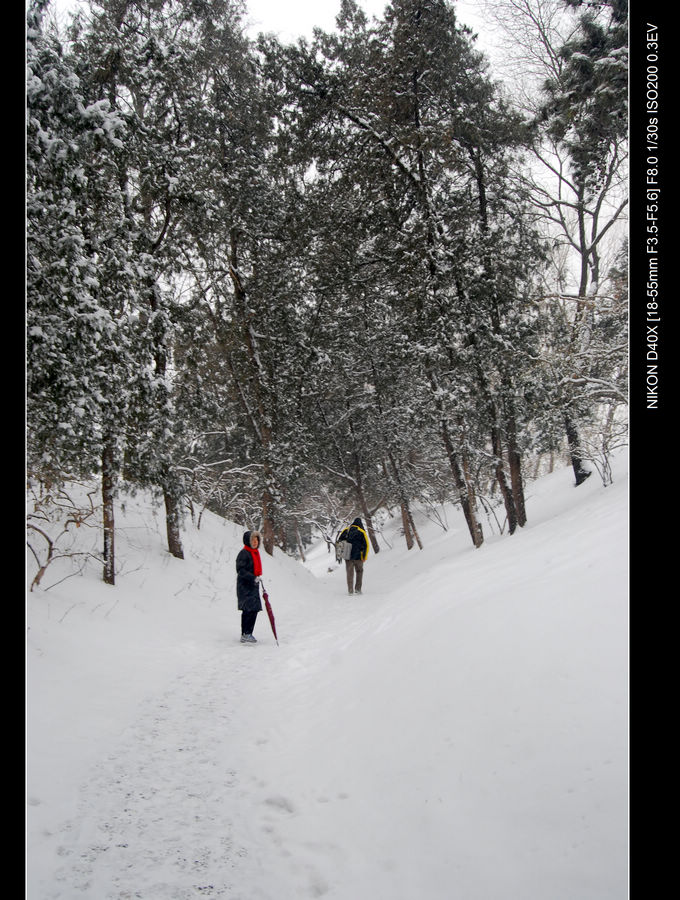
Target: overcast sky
292,18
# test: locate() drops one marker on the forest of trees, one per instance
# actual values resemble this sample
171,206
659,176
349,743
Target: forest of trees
296,282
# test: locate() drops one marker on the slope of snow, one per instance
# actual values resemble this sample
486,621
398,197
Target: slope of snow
458,731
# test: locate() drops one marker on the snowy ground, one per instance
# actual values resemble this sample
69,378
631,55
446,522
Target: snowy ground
459,732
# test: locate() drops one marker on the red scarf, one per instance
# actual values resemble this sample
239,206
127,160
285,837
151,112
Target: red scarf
257,562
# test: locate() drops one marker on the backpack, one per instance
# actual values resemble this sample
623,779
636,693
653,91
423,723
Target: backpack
343,550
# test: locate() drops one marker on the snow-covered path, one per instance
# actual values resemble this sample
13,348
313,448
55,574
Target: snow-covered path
180,802
157,814
456,733
170,811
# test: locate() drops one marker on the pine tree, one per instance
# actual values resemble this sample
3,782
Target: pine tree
586,106
153,62
80,354
245,286
585,115
410,119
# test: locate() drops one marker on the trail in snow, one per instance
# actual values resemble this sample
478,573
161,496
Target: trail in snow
456,733
179,804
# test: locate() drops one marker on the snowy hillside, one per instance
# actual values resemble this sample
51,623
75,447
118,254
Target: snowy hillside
458,732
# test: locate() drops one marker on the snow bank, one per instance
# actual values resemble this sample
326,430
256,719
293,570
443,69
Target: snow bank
458,731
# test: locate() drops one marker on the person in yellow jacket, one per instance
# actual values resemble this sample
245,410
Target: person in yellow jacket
354,566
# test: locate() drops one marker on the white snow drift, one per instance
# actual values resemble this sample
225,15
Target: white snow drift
459,732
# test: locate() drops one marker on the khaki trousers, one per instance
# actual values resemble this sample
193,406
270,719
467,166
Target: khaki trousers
354,569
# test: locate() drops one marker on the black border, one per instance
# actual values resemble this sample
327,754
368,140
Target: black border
654,115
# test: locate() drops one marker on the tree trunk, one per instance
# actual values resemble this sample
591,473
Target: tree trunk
160,354
364,505
515,465
367,518
575,450
513,497
497,450
410,530
465,488
258,414
298,538
407,529
172,524
510,511
268,535
108,480
571,429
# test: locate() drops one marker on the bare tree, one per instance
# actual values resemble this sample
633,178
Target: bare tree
579,191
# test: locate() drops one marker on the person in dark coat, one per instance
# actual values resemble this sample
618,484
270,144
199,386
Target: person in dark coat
354,566
248,572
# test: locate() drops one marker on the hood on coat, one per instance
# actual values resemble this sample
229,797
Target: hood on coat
248,538
358,522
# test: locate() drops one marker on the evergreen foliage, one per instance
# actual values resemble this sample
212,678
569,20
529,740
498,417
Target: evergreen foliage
297,283
80,330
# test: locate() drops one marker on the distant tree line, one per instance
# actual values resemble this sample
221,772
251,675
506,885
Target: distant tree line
290,282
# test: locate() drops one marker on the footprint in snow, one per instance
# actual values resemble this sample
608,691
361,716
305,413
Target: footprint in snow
283,804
